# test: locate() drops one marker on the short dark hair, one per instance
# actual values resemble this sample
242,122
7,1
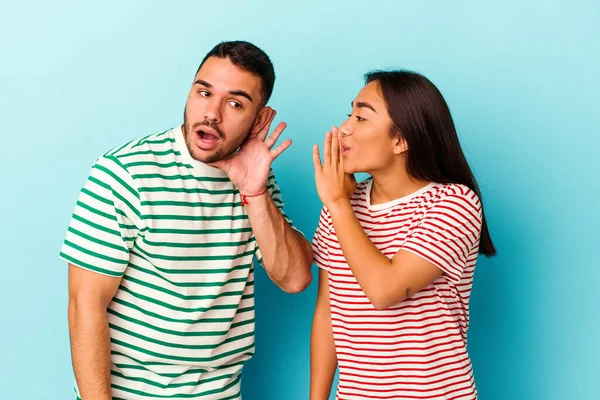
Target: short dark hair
422,118
247,57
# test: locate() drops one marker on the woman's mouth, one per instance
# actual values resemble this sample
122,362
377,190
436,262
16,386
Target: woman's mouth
345,150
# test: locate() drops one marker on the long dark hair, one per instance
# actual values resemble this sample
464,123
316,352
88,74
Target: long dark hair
421,116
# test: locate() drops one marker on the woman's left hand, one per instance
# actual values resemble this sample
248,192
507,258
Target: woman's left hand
333,184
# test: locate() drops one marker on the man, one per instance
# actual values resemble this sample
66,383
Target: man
160,246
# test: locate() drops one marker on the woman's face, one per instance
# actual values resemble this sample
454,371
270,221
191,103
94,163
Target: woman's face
366,141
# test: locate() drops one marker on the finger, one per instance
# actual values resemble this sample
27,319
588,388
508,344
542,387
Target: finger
335,148
262,134
327,150
276,152
316,157
270,142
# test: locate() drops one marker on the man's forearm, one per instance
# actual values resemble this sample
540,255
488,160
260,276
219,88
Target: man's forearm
90,351
286,254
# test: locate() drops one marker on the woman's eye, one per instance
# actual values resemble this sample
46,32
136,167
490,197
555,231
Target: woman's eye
359,119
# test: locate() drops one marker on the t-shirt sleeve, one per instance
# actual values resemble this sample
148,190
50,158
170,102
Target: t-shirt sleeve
448,233
105,222
275,193
320,242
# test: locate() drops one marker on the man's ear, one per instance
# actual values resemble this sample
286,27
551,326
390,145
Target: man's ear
263,119
399,145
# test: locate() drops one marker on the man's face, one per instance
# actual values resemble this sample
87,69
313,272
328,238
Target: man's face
221,110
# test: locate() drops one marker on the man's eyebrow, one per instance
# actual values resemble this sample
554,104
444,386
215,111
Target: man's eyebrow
203,83
363,104
237,92
240,93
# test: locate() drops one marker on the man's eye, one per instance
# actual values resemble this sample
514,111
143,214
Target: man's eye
204,93
235,104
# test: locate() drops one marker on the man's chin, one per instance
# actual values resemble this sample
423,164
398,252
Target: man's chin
207,158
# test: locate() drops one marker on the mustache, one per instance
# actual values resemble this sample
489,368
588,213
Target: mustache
209,124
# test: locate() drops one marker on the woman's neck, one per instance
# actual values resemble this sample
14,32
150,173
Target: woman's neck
393,184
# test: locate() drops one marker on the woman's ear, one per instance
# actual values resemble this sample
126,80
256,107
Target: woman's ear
399,145
265,116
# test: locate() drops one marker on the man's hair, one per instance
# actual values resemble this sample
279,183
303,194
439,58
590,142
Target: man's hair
247,57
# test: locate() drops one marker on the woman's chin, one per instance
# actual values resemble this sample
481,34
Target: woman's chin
348,169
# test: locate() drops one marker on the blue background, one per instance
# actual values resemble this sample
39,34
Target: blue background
520,78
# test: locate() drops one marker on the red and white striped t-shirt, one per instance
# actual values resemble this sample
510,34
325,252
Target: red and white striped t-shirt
416,349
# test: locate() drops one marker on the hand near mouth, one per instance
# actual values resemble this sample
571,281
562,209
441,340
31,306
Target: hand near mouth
249,168
333,184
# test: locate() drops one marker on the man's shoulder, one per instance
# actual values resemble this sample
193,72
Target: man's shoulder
156,143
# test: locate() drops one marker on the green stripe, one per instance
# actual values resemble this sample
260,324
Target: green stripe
193,258
179,333
182,395
96,226
145,140
128,227
141,365
96,240
178,295
155,189
183,309
175,217
152,314
153,152
94,254
141,368
196,231
182,177
141,141
185,321
95,211
97,197
117,178
78,263
127,203
199,245
240,267
180,358
113,152
148,363
234,397
156,164
149,339
171,385
190,204
100,183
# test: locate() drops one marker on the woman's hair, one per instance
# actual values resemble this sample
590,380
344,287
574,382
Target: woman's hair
421,117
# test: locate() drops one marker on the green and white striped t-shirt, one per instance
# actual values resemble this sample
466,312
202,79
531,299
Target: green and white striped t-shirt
182,321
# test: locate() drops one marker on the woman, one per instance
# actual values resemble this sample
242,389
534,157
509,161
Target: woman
397,252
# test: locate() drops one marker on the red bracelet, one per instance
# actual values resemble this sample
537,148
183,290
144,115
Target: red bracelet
245,196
